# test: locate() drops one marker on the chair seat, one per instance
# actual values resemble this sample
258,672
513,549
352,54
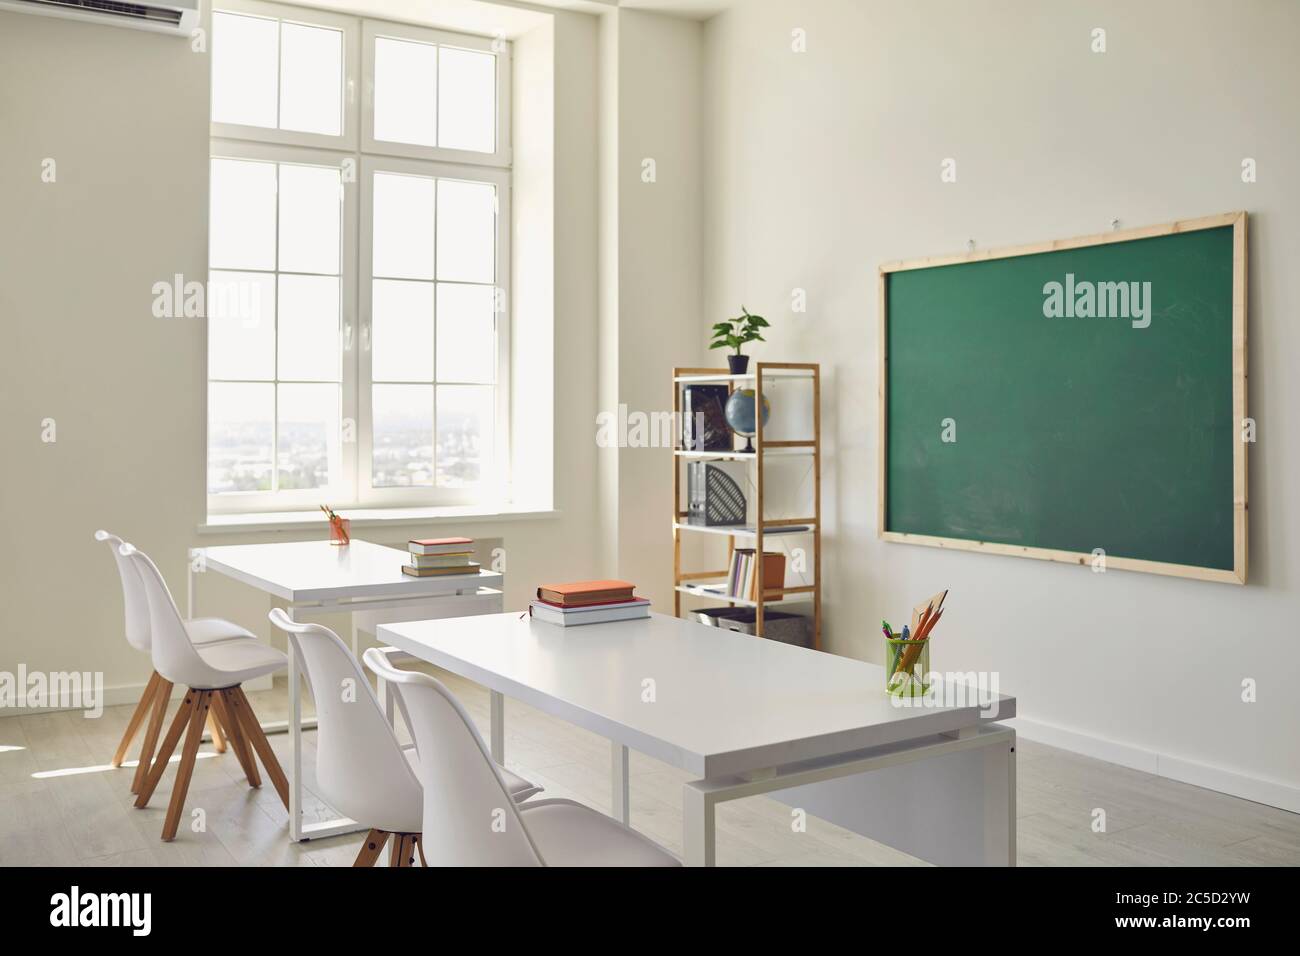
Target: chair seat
569,834
210,630
519,788
238,661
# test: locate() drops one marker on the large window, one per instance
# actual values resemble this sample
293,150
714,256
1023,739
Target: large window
358,324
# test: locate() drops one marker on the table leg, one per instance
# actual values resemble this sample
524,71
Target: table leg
1000,803
699,833
498,727
295,746
384,691
622,794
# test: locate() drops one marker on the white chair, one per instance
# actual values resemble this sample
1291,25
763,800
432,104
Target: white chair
204,630
362,769
469,818
212,674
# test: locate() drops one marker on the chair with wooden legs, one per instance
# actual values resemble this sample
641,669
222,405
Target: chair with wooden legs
362,770
212,675
157,692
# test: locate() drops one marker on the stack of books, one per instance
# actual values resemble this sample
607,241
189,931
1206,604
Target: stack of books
434,557
742,579
588,602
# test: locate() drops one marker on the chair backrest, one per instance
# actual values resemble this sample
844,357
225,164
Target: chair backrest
360,767
174,657
134,602
469,816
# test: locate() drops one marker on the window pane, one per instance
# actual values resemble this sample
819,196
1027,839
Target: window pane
402,321
465,436
311,79
308,346
403,226
311,203
403,435
242,220
239,436
466,231
241,325
244,69
467,107
406,88
308,439
466,333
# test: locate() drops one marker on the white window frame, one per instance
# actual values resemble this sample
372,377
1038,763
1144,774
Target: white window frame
372,30
368,496
360,156
234,502
311,17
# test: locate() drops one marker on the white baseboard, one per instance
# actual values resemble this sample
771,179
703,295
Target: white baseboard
1272,793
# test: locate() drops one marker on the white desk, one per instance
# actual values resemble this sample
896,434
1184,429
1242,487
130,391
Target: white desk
751,716
310,578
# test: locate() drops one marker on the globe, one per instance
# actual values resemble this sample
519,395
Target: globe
740,414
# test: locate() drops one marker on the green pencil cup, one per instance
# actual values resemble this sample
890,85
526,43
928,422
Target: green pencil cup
907,667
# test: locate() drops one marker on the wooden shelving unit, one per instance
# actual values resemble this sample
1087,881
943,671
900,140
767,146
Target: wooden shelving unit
696,583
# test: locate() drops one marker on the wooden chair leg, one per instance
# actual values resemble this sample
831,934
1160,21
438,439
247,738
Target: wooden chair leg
406,850
221,707
162,695
214,728
418,840
395,851
371,848
253,731
141,709
181,785
179,722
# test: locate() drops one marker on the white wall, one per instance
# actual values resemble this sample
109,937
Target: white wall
660,246
823,164
651,241
124,114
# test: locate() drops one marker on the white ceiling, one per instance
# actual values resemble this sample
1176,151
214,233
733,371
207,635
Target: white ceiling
692,9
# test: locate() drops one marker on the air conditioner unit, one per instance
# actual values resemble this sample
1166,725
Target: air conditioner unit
177,17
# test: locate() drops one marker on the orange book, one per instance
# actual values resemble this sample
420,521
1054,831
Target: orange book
440,545
580,593
773,574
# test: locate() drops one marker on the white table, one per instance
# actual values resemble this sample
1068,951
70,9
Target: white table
311,578
750,716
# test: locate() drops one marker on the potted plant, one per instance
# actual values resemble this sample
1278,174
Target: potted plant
734,333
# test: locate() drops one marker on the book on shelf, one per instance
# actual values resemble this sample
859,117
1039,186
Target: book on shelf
742,576
418,572
589,614
583,593
440,546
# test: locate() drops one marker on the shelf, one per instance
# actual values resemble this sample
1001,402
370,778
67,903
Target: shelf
776,595
749,377
780,451
740,531
708,583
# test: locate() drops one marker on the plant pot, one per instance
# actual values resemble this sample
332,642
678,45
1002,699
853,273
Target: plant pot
739,364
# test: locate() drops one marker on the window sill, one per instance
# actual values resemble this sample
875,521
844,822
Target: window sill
274,521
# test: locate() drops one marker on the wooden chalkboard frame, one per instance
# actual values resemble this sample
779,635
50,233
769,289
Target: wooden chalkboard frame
1237,220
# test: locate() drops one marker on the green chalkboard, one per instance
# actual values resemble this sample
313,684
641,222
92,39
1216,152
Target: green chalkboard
1073,399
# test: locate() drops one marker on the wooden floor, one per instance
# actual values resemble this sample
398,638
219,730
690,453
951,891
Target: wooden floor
60,803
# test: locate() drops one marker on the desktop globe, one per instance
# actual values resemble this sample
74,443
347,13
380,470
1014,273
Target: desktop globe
740,414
